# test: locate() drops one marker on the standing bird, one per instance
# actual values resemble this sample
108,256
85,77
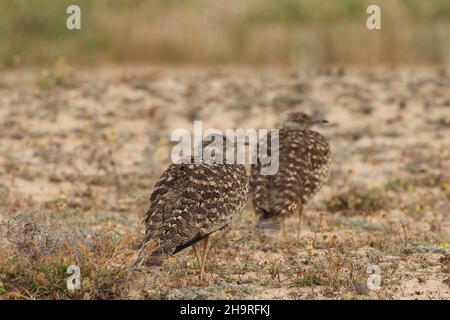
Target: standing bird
304,162
191,201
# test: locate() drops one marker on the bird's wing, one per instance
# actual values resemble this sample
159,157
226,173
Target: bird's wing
190,201
271,194
319,159
260,185
260,188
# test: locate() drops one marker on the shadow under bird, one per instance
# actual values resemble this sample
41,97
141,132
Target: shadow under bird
304,163
190,202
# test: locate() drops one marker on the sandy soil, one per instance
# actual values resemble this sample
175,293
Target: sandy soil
99,139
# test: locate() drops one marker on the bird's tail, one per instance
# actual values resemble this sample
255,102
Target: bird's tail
150,254
271,218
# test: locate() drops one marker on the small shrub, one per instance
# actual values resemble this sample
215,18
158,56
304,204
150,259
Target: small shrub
360,199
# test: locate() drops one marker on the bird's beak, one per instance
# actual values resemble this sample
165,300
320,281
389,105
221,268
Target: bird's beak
320,121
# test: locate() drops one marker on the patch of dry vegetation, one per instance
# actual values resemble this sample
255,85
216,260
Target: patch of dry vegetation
39,248
80,152
358,200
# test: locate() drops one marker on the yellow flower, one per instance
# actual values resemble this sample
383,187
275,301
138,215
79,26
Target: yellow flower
62,203
309,247
170,260
444,245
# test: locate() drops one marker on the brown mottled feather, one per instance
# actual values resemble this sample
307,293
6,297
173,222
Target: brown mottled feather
191,201
304,161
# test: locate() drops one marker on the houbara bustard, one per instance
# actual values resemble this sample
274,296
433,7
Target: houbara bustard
304,162
191,201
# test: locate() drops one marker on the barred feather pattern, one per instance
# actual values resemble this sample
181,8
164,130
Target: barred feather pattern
304,163
189,202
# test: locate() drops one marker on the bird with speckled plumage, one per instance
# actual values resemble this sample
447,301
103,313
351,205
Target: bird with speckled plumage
191,201
304,165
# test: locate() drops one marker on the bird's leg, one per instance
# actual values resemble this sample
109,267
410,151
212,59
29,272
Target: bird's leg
283,230
205,253
300,214
197,254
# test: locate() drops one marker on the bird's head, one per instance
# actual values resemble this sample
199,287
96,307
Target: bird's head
301,121
213,140
219,145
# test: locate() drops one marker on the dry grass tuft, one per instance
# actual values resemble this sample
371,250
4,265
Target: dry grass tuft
359,200
39,249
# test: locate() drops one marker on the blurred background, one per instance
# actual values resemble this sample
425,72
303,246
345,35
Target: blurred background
254,32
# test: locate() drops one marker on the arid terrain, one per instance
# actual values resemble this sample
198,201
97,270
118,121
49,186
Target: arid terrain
80,150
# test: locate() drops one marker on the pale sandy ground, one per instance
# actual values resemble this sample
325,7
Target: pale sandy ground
389,131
